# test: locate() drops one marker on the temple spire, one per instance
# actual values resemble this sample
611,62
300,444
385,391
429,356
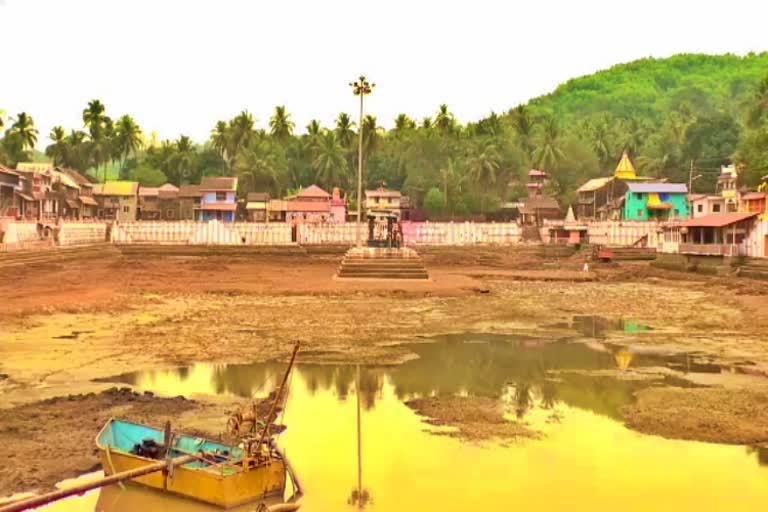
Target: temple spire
625,170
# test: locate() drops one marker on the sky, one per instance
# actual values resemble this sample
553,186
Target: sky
178,66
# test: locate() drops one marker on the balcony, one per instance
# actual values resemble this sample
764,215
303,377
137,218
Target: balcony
710,249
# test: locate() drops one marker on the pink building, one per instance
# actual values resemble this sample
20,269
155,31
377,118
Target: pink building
338,207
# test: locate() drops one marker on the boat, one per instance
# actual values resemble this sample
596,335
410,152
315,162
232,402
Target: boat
222,475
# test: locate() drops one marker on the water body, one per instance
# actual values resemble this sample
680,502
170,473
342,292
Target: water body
586,459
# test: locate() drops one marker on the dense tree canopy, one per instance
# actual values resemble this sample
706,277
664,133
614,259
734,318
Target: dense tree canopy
671,115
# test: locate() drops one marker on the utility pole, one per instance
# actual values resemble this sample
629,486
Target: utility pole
360,88
690,179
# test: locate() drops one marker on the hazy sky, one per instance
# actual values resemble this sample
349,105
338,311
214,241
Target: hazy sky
179,66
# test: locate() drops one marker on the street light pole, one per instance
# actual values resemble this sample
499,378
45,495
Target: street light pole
360,88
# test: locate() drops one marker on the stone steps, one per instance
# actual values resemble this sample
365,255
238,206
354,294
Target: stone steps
382,264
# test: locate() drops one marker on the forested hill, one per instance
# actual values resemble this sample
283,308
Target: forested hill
652,88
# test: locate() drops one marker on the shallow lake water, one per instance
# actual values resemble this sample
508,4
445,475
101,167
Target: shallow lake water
586,459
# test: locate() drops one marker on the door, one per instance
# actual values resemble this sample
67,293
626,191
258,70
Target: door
765,246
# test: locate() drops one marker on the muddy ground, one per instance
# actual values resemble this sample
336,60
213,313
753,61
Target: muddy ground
64,326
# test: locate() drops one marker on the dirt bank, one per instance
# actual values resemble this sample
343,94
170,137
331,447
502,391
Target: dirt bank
51,440
470,419
732,416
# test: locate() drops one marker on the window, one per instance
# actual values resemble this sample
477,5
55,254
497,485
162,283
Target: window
126,209
169,214
700,208
677,212
716,208
221,196
638,195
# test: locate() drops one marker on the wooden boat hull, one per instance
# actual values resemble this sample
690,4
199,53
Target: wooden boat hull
221,485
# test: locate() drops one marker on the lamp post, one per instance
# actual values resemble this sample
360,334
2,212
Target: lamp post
360,88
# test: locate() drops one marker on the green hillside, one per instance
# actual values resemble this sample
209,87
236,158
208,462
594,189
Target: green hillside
651,88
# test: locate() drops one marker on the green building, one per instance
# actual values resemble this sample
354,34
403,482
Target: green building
656,201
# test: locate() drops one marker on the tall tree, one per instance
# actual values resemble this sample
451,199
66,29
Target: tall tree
24,129
548,153
281,126
403,124
330,164
58,151
128,138
484,167
523,123
444,121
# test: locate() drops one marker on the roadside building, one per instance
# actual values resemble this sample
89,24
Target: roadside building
312,204
383,200
277,210
656,201
67,193
10,186
537,180
721,234
189,199
118,200
218,201
168,198
727,187
705,204
149,203
535,210
256,204
753,202
38,200
88,205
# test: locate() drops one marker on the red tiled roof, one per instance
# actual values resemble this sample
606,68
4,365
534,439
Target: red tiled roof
309,206
219,184
536,172
753,196
382,192
168,194
6,170
88,200
190,191
222,207
313,191
149,192
76,176
258,196
24,196
718,220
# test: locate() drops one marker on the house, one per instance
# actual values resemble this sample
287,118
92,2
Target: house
656,201
10,184
277,210
409,211
705,204
727,184
312,204
383,200
117,200
534,210
753,202
338,207
88,205
189,199
37,198
603,198
67,192
149,203
722,234
537,180
256,204
168,198
218,200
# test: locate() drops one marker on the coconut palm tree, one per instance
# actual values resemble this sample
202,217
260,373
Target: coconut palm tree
444,121
426,123
58,151
241,134
371,136
24,129
344,130
548,153
330,163
758,104
403,124
484,167
93,115
128,138
281,126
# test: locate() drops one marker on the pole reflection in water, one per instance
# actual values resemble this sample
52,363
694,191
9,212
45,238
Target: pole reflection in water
359,497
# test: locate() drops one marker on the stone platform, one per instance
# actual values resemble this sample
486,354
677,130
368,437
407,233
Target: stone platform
382,263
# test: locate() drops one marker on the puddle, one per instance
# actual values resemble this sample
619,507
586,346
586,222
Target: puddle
586,459
597,326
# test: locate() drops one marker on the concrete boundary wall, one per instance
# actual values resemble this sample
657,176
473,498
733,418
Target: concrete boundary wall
201,233
625,233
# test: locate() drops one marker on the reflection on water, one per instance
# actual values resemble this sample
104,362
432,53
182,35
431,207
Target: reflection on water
586,460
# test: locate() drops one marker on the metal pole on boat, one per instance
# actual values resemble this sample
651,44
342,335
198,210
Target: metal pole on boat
44,499
273,410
